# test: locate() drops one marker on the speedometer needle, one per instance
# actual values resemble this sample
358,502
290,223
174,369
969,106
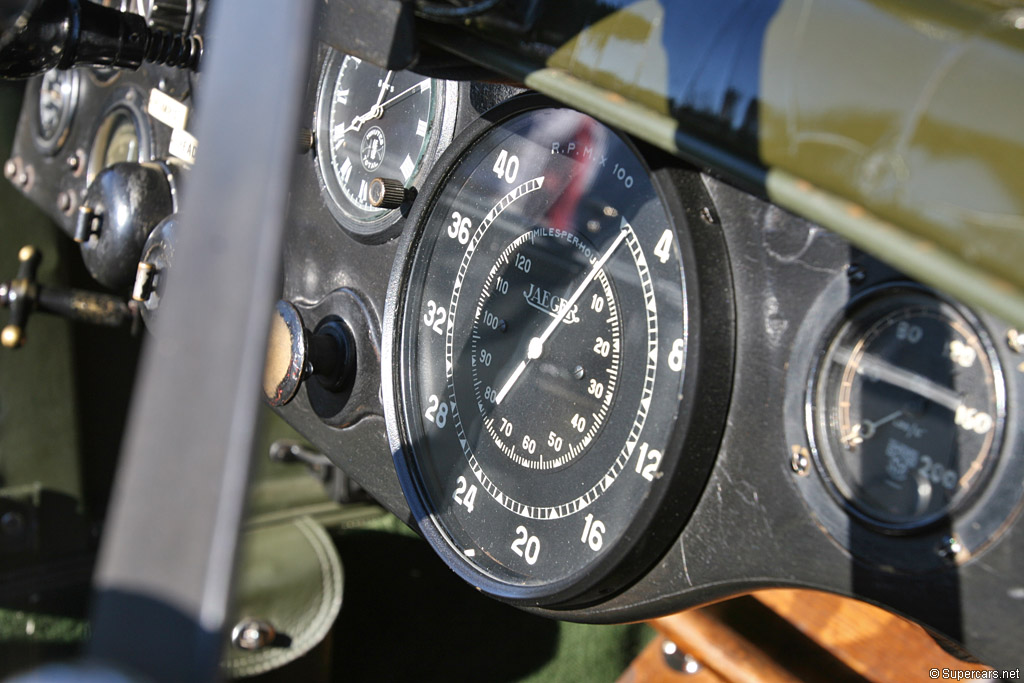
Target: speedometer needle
536,346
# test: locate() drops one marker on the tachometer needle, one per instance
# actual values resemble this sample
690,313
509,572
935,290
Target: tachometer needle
536,346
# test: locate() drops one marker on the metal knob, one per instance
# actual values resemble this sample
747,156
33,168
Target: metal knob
294,355
24,295
386,193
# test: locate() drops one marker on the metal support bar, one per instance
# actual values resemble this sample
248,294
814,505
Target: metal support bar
163,580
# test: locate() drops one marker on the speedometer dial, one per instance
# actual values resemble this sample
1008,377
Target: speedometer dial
546,359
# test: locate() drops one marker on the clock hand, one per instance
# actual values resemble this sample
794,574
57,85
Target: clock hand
377,110
536,346
422,86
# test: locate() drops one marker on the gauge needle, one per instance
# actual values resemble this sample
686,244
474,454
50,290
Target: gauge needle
876,368
536,346
865,429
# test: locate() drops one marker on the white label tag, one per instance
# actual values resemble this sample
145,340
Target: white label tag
183,145
166,109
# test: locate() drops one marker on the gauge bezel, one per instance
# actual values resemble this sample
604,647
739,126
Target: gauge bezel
124,104
51,146
978,525
385,226
821,449
698,425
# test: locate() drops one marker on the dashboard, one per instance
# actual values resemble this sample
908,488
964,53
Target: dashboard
604,381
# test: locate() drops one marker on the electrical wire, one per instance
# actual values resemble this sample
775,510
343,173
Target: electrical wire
448,14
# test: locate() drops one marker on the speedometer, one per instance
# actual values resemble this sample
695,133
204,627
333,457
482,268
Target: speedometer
559,358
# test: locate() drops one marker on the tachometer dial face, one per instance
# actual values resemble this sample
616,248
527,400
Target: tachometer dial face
908,408
375,123
542,351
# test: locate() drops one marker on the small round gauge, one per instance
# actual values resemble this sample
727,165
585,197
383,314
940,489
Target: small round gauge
908,407
119,137
543,367
58,97
375,123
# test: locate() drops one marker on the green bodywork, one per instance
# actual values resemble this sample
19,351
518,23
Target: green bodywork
897,124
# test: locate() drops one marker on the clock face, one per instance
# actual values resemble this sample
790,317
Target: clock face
376,123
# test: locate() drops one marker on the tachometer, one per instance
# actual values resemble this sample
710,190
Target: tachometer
548,368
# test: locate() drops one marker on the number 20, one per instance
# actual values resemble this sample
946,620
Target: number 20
526,546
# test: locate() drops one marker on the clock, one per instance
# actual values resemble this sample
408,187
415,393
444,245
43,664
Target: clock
377,123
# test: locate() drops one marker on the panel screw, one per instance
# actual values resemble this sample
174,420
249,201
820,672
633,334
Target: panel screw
64,201
1015,339
800,460
13,524
74,162
252,634
10,169
856,274
579,372
25,177
676,660
950,548
707,216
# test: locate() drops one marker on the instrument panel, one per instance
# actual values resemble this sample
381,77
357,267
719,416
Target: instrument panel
602,383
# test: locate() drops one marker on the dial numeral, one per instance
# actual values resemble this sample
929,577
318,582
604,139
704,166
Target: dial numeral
973,420
663,250
677,355
435,317
593,532
647,462
465,493
458,229
437,411
555,441
506,166
526,546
